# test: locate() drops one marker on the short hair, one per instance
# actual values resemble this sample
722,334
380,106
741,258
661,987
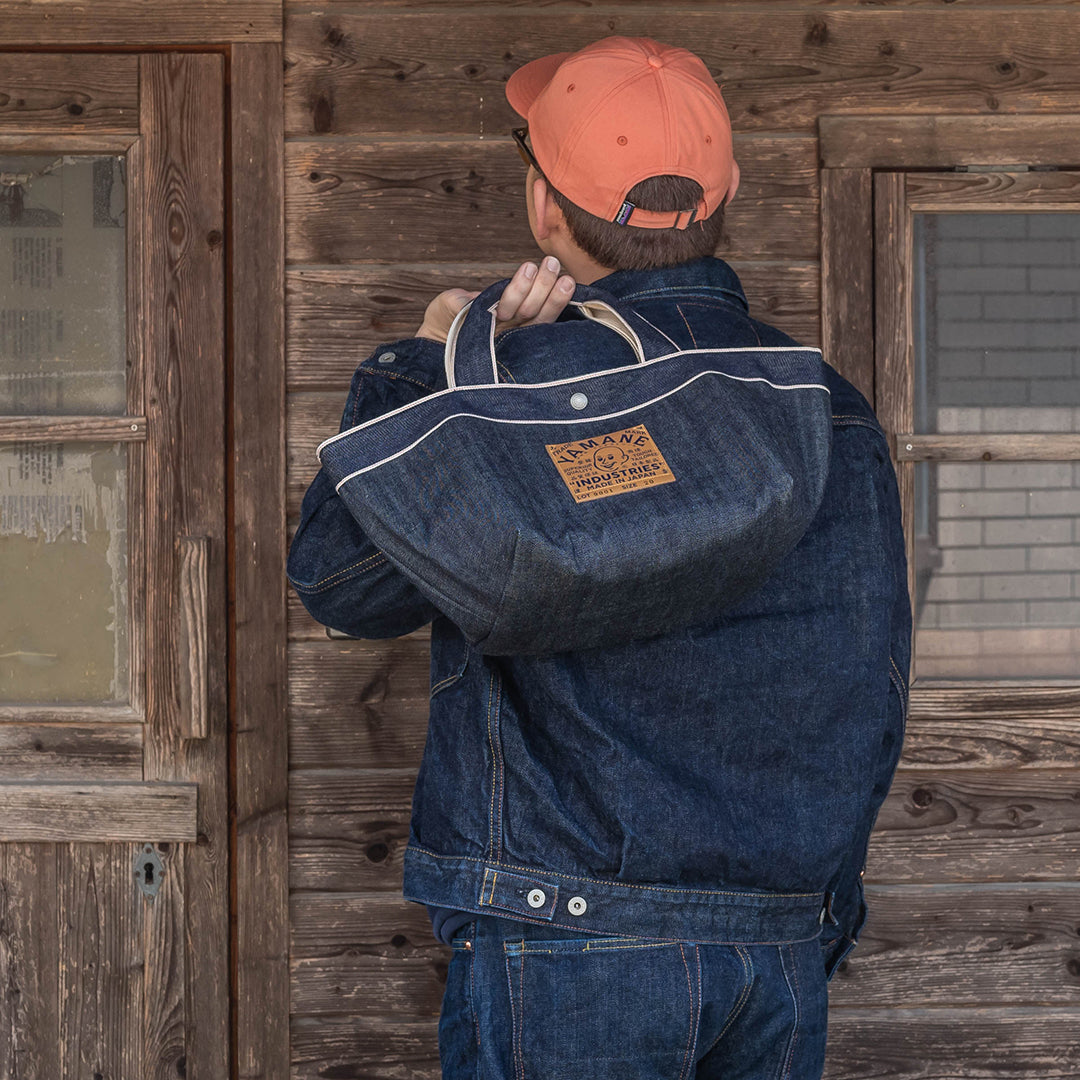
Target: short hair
625,247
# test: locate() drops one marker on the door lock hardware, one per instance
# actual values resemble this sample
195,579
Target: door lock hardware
149,870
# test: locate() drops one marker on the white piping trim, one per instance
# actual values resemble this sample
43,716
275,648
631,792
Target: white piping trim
656,328
579,378
451,343
620,326
571,420
450,352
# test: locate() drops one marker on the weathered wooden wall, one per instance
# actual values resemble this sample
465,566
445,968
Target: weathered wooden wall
401,181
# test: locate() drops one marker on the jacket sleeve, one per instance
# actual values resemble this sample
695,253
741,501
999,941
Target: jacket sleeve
849,909
341,577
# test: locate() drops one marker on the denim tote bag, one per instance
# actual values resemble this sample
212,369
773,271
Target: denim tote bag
595,510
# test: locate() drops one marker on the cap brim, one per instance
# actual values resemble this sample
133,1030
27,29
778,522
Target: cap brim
524,86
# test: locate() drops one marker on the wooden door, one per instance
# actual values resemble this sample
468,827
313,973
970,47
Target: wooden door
977,381
114,898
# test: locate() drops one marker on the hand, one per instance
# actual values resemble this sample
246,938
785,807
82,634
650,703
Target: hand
441,312
534,295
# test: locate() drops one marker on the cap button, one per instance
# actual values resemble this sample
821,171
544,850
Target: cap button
655,61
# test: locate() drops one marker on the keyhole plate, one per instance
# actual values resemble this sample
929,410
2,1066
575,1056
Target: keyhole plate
148,870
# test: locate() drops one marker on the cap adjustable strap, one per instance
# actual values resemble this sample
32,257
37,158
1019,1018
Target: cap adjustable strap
629,210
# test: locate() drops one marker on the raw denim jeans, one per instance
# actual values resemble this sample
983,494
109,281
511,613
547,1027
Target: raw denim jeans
537,1003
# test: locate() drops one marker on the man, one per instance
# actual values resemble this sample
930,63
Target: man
647,857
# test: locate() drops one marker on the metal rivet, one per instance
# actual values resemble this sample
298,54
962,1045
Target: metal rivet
536,898
576,905
579,400
387,358
134,427
908,446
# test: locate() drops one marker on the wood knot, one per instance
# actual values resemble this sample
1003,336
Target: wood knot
322,115
377,852
818,33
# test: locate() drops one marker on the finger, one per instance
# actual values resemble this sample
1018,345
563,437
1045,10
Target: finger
556,300
542,285
516,291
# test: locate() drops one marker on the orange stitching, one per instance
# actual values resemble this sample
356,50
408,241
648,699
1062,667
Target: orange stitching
521,1018
395,375
472,987
329,582
449,678
700,991
679,309
599,946
491,744
619,884
690,1033
798,996
498,831
743,996
789,1056
900,684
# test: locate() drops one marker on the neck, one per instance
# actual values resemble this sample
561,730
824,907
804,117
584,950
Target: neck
583,268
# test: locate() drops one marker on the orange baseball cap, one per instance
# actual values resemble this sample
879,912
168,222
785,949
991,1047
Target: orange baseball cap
619,111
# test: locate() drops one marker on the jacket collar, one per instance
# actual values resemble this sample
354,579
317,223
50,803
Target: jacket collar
707,276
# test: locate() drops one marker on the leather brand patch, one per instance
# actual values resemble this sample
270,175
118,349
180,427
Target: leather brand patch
604,465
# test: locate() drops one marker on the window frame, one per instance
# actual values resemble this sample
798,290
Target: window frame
129,428
877,172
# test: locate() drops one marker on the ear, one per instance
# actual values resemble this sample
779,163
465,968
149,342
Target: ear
734,182
548,215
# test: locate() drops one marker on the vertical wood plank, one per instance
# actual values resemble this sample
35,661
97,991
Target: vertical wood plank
258,403
166,975
136,406
29,962
100,945
847,275
893,340
182,124
191,642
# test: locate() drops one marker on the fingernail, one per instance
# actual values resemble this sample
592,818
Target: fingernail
530,270
552,264
566,284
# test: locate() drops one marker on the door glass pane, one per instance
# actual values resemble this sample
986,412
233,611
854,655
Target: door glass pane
63,564
997,570
996,323
997,350
62,310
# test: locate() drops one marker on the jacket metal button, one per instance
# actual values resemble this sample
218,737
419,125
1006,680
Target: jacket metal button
579,400
387,358
536,898
576,905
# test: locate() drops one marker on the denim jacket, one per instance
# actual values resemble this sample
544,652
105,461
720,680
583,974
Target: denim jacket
719,783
